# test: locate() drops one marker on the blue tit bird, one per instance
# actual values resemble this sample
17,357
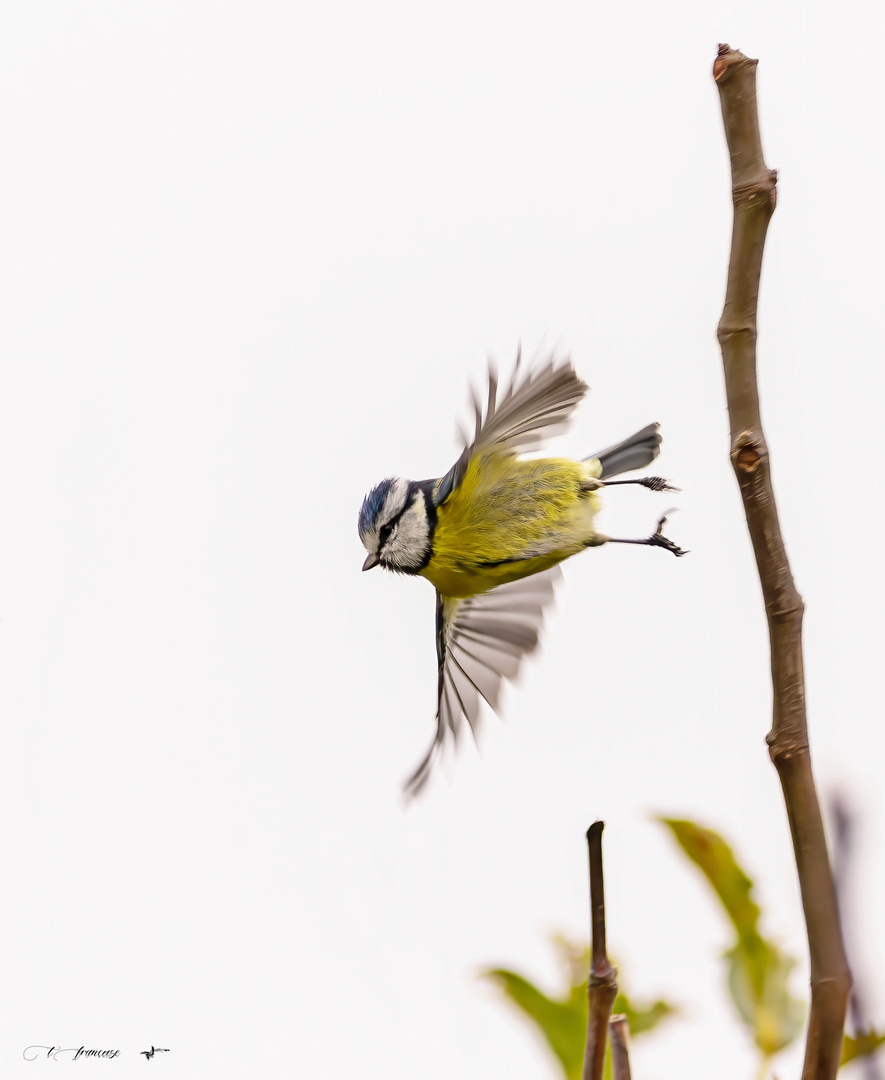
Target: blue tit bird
489,535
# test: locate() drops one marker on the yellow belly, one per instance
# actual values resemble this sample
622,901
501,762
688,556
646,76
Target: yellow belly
459,583
508,519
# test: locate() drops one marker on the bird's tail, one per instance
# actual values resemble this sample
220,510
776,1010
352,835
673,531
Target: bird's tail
637,452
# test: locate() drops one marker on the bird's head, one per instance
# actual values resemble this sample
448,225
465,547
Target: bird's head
396,525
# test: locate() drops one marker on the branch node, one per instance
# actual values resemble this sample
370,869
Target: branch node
605,979
760,190
749,453
727,333
781,748
785,613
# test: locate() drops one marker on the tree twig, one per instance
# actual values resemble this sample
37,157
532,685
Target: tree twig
753,193
619,1035
602,985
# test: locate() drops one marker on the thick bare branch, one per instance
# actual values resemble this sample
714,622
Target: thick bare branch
602,985
754,197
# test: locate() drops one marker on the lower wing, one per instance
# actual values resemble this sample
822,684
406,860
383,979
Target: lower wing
480,642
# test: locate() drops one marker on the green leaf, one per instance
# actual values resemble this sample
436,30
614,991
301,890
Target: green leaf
861,1045
563,1020
642,1018
774,1016
758,971
710,853
563,1025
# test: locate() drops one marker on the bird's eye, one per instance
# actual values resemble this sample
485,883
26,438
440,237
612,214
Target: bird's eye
384,533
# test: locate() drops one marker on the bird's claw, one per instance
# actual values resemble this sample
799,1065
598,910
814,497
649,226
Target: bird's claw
657,483
657,539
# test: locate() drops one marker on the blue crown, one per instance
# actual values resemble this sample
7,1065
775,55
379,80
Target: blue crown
372,504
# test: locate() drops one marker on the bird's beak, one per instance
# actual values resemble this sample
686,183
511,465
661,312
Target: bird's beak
371,560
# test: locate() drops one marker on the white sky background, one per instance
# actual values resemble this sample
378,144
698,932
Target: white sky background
252,255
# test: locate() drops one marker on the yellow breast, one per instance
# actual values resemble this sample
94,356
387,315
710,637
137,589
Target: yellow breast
511,517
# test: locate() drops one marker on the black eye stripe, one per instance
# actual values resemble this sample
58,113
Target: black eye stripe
386,529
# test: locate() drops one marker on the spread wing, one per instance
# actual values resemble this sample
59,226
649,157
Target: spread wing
535,406
480,642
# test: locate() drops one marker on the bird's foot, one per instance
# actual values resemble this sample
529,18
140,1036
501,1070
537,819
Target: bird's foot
657,539
653,483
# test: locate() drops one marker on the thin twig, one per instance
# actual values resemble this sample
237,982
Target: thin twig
602,985
619,1036
753,193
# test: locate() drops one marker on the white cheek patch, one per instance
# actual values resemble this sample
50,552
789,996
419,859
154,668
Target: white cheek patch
409,545
413,528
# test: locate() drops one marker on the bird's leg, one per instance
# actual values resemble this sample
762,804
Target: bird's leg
654,483
657,539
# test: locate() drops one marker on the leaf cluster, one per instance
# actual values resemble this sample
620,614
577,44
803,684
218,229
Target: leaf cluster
563,1020
757,972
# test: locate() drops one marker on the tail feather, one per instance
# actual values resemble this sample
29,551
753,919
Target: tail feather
637,452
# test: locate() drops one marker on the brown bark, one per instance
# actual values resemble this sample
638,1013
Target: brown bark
754,197
619,1035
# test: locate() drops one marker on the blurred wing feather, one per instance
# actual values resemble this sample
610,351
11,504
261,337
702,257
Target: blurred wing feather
534,408
480,642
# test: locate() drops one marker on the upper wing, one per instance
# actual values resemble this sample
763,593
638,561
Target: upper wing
535,406
479,642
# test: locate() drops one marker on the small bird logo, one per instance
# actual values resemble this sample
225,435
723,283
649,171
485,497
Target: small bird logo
489,535
148,1054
